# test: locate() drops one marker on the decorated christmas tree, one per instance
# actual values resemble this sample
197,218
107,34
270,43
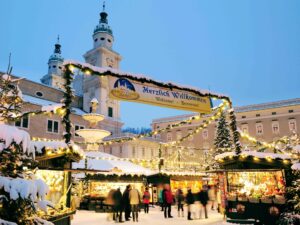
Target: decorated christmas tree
222,142
21,195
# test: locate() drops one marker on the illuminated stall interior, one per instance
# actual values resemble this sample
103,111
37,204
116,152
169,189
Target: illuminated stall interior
257,184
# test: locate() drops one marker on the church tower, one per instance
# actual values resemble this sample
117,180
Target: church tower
54,77
102,55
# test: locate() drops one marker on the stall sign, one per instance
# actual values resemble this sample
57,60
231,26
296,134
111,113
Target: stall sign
148,93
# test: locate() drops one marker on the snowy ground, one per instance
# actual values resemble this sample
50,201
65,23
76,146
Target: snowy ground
154,217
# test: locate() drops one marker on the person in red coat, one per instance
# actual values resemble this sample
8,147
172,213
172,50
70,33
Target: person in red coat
146,200
168,200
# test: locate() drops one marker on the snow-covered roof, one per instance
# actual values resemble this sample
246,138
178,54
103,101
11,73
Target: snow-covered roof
296,166
254,154
44,102
268,105
109,163
11,134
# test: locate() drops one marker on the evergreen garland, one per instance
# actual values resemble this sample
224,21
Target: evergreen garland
235,133
68,96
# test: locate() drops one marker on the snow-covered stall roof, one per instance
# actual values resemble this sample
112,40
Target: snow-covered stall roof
254,154
48,105
105,162
10,134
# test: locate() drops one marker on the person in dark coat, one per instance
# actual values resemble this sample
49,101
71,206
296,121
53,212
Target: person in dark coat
118,205
203,198
180,200
189,201
126,202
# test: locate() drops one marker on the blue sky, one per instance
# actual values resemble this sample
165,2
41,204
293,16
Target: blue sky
249,50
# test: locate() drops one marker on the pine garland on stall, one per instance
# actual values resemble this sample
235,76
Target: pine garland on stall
68,96
235,132
20,194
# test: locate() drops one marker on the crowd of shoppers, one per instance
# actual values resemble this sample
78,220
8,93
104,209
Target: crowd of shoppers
131,199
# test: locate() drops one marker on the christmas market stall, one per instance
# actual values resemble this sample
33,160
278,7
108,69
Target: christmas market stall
176,180
99,173
54,163
253,185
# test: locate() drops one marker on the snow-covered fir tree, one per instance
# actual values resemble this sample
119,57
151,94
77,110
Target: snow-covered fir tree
291,215
222,142
21,195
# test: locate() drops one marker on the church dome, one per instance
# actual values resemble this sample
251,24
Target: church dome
103,24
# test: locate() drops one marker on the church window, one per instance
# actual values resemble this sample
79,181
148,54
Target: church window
52,126
292,125
275,127
110,112
39,94
54,66
60,67
102,39
109,40
23,122
96,39
259,129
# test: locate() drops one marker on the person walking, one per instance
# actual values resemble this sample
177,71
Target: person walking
212,196
111,203
126,202
117,196
179,199
146,200
134,199
203,198
189,201
168,200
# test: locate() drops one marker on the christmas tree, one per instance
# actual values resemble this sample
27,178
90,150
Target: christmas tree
222,142
291,215
21,195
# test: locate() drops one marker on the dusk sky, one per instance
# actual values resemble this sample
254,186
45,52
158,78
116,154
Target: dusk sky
249,50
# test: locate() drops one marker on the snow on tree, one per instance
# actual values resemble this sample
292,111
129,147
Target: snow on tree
10,98
222,142
291,215
21,195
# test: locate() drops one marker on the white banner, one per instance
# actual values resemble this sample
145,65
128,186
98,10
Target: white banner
147,93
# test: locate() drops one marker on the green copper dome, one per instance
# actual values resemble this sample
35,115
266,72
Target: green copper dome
103,24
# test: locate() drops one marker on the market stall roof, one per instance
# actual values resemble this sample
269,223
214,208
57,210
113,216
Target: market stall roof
254,160
254,154
100,161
